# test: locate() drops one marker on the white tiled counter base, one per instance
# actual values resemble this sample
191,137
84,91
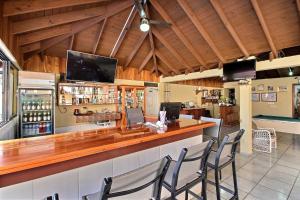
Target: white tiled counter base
74,184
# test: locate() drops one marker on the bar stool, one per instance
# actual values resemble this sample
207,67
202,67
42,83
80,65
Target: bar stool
134,181
188,171
221,158
53,197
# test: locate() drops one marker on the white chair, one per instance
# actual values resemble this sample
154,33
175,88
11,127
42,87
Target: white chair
183,116
264,139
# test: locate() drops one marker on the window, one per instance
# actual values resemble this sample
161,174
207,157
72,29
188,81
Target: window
8,88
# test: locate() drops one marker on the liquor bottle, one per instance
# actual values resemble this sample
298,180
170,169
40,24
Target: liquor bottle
44,116
30,117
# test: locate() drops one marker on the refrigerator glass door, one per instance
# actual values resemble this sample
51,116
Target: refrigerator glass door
36,112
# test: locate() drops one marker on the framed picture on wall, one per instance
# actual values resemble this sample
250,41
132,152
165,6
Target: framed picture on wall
269,97
255,97
253,89
270,88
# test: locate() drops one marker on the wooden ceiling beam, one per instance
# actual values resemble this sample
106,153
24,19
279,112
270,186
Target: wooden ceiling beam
12,8
135,49
171,49
155,67
44,34
220,11
264,26
31,47
99,34
298,6
125,29
178,32
189,12
34,24
165,60
112,9
146,60
71,42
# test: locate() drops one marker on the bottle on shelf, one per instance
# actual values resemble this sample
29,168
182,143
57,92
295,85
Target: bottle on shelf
30,117
41,128
48,116
24,106
43,105
39,116
47,105
25,117
34,117
28,105
33,105
38,106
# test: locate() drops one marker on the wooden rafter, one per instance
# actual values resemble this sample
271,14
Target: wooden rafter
178,32
112,9
189,12
71,42
12,8
135,49
125,29
31,47
298,6
155,67
165,60
264,26
146,60
171,49
44,34
99,34
54,20
217,6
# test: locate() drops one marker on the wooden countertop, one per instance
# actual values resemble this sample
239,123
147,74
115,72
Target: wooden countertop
30,158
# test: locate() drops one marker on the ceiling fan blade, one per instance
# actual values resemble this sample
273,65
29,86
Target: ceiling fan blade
160,23
138,4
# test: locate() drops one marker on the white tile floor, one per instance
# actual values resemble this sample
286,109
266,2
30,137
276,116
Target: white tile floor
263,176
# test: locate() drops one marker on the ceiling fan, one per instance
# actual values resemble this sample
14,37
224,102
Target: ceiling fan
145,21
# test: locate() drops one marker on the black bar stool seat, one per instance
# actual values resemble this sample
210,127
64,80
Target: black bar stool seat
141,179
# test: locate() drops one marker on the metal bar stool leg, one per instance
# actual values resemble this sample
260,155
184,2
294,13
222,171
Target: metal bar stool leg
235,180
217,184
203,191
186,195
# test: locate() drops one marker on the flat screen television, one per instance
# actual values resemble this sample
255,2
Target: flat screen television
89,67
240,70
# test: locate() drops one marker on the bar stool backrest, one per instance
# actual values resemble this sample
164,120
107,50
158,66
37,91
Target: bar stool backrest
228,147
191,161
213,132
137,180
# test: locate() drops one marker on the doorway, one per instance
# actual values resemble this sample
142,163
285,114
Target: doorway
296,101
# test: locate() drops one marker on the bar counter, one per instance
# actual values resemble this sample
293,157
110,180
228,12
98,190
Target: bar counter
31,158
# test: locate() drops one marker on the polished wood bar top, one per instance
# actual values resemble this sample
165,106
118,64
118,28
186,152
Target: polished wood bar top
30,153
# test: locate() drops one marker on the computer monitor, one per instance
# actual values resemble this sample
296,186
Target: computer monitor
172,108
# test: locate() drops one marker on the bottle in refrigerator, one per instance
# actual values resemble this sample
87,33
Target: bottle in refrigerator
48,116
38,106
30,117
47,105
33,105
24,106
28,105
43,105
25,118
34,117
39,117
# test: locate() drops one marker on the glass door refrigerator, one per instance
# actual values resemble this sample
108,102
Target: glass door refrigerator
36,104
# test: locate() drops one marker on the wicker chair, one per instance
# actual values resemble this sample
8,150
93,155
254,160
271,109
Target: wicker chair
264,139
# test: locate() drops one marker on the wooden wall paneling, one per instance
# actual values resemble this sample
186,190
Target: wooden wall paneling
12,8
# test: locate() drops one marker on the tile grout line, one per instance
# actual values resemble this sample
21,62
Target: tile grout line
266,174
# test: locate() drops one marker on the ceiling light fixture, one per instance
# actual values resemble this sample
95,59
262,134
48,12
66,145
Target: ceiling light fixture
291,73
144,26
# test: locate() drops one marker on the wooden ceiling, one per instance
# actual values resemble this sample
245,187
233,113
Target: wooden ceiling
203,34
